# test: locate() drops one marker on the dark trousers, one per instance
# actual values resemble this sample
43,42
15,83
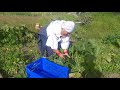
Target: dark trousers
44,50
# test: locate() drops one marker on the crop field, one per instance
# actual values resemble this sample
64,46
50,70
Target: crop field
94,49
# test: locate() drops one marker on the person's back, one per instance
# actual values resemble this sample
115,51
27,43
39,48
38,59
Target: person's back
55,27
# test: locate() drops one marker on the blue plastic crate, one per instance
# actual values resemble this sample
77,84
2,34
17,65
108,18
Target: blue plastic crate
43,68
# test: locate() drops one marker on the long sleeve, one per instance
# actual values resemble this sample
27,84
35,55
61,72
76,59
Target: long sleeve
54,33
52,41
65,42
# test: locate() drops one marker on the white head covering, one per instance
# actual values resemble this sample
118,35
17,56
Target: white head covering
68,26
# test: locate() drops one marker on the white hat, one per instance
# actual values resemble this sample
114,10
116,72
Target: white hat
68,26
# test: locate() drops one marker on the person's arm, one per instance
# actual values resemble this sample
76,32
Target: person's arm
66,53
58,53
65,44
53,43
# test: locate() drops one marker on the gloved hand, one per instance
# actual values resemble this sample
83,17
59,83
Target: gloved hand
66,53
60,55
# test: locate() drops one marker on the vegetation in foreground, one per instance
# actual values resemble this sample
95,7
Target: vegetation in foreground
94,46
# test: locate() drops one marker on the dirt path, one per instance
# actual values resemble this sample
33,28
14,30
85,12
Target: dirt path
18,20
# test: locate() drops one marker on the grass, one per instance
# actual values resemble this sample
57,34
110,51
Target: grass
101,25
94,60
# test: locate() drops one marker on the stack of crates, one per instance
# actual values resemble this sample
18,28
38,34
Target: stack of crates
44,68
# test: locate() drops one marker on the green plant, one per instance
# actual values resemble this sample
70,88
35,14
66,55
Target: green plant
112,39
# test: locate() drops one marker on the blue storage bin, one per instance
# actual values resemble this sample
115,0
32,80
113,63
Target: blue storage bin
43,68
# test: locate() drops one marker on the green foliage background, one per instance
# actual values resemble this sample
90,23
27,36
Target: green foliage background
94,50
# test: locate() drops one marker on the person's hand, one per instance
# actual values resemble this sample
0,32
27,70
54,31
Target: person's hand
66,53
60,55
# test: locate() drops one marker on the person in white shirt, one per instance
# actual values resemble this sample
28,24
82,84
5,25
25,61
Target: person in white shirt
54,36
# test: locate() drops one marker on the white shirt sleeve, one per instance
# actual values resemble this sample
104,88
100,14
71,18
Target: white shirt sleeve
65,42
52,41
53,31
